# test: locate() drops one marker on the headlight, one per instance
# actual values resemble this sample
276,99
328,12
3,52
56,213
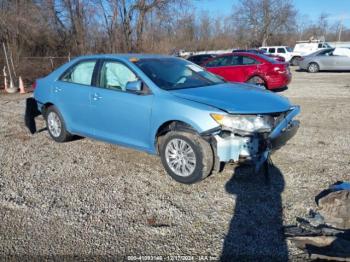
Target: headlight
245,123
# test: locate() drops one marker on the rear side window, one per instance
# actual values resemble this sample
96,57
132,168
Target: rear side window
236,60
272,50
281,50
115,75
326,53
249,61
80,73
220,61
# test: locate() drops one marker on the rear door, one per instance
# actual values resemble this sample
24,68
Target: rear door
71,95
222,66
249,67
326,60
121,116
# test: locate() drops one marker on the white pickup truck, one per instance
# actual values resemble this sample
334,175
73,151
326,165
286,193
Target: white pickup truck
283,51
301,48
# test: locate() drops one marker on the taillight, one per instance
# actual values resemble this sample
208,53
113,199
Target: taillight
280,70
34,85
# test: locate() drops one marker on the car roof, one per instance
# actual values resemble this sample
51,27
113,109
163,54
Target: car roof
238,53
273,46
201,55
124,56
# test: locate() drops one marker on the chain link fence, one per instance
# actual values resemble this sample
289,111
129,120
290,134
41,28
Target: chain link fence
31,68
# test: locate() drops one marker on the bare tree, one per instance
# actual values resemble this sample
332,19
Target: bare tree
263,18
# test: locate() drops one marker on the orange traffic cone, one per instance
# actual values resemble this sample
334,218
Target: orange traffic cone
21,86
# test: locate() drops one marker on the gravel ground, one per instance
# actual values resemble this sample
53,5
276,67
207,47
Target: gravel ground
87,198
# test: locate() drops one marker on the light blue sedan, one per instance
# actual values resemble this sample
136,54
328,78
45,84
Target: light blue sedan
168,106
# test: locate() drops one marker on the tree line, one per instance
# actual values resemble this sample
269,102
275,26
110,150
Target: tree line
62,27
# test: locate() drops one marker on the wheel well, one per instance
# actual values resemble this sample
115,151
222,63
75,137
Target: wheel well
171,126
261,77
312,62
45,107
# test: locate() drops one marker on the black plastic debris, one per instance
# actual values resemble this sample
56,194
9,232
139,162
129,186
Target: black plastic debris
325,233
30,114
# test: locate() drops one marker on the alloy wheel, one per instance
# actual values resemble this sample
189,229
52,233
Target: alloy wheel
180,157
54,124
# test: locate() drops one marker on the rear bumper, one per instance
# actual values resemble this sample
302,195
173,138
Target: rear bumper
31,112
279,81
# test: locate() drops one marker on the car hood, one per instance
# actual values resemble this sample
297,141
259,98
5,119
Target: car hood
236,98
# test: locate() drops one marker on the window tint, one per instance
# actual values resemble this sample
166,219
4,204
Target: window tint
236,60
272,50
326,52
281,50
80,73
220,61
248,61
115,75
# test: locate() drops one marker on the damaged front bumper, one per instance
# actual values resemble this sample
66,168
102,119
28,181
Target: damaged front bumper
255,148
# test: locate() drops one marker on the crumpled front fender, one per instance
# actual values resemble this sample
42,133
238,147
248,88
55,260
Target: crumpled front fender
256,147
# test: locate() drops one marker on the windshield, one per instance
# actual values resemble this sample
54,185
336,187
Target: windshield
176,73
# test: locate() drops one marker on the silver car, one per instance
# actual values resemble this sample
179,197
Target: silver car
326,59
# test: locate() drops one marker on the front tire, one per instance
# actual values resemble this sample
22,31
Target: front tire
186,156
56,125
313,68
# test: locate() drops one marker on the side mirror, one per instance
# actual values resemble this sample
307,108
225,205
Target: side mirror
134,86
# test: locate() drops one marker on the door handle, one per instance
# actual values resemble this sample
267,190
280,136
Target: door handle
96,96
57,89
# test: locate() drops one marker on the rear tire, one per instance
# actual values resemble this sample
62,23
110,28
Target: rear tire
56,125
257,80
295,61
186,156
313,68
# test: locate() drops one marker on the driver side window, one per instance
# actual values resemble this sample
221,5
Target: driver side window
115,75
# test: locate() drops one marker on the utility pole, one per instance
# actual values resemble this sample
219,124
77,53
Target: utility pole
340,29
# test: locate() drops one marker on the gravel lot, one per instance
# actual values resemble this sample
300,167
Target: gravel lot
87,198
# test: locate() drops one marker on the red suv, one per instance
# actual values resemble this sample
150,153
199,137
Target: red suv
251,68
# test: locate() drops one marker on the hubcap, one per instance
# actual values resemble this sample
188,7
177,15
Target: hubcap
180,157
313,68
54,124
257,81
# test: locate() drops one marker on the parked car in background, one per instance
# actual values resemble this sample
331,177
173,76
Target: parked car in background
168,106
199,59
283,51
250,68
304,48
262,52
332,59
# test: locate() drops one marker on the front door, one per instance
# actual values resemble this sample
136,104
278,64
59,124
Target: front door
121,116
